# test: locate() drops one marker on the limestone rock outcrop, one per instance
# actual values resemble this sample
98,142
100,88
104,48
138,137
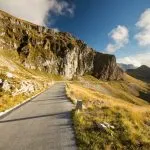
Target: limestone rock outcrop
54,52
105,67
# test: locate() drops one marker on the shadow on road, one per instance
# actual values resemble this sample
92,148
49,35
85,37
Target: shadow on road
62,99
57,115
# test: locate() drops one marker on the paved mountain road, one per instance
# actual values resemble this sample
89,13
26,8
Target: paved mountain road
44,123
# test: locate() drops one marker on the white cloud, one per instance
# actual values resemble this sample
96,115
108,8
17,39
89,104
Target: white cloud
111,48
137,60
120,37
36,11
143,37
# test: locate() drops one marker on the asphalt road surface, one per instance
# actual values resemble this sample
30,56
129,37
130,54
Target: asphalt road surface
44,123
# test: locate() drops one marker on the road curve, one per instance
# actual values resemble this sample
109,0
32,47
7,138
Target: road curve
44,123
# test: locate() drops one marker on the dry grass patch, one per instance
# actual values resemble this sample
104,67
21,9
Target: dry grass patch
131,121
22,77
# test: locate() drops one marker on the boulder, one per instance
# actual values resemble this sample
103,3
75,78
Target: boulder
9,75
6,86
1,83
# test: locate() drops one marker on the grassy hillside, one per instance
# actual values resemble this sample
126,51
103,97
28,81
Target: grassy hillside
141,73
114,115
23,82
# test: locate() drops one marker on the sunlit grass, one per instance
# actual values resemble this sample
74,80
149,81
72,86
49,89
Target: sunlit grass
131,119
9,62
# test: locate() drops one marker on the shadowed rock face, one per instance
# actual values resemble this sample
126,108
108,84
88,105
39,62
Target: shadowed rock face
105,67
54,52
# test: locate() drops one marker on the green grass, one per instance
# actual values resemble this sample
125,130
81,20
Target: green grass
126,135
130,118
7,101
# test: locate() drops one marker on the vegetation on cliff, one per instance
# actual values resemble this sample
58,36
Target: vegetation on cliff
59,53
18,83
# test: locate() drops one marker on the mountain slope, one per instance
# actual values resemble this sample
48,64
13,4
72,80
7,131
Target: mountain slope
60,53
141,73
114,116
126,66
18,83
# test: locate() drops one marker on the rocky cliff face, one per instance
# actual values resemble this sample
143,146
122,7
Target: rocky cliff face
54,52
105,67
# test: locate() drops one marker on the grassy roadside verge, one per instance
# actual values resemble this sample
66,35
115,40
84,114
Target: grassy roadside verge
8,101
23,82
130,122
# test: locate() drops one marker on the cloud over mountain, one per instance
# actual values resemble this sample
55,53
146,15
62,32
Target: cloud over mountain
119,37
136,60
37,11
143,36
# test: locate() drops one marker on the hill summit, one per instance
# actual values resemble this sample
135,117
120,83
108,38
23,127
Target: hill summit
54,52
141,73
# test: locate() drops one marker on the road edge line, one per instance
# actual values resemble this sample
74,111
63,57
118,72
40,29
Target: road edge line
8,111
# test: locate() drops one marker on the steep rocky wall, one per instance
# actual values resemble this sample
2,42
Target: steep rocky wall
54,52
105,67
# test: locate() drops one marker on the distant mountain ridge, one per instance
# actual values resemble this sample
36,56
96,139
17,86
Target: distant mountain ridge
126,66
59,53
141,73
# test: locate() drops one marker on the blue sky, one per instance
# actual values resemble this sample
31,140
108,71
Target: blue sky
119,27
94,19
